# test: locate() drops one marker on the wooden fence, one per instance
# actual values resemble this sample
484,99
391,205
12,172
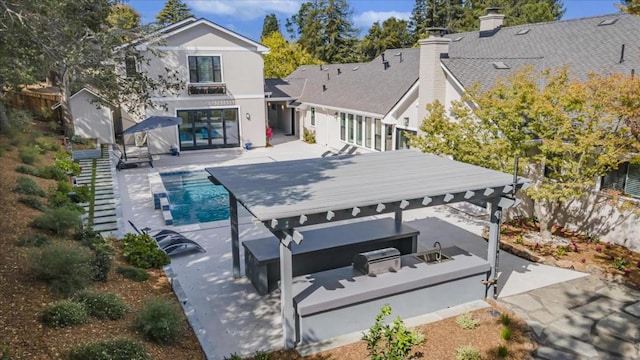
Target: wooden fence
39,103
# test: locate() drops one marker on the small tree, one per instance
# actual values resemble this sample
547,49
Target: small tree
566,133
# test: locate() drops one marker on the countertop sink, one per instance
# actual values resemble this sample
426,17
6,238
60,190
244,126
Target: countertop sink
432,257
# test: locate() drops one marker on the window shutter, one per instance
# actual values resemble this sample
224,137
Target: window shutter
632,186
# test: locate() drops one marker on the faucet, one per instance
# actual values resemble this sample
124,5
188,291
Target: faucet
439,255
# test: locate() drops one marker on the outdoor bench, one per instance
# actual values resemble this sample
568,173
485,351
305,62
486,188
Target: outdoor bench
324,248
134,160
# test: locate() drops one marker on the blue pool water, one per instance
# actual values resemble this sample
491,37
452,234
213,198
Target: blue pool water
194,199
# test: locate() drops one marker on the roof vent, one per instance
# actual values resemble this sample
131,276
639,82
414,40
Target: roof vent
327,76
501,65
523,31
400,55
339,71
385,64
321,67
457,39
382,55
324,88
437,31
355,68
303,69
607,22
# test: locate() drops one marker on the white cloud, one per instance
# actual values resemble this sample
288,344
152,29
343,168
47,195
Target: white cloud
245,9
367,18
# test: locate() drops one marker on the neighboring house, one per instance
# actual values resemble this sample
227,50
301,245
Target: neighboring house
92,115
372,105
222,102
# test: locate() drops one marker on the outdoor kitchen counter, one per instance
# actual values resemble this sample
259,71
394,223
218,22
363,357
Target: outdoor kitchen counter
340,301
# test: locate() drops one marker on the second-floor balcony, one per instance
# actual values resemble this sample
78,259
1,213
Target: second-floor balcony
207,89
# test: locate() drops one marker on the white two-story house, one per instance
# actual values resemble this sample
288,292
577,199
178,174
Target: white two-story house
222,101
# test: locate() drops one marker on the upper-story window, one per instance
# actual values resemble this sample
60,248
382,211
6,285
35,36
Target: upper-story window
205,69
130,66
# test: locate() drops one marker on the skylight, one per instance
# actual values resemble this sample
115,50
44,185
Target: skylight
501,65
457,39
355,68
607,22
523,31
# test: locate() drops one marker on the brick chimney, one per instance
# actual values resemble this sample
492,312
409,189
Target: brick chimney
492,21
432,83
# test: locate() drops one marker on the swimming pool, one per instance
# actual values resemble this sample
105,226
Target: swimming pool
194,199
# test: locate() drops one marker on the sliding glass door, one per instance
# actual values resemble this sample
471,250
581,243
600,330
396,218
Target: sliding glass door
209,129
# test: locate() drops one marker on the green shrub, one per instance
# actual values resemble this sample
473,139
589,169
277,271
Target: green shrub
28,186
26,169
66,164
233,356
505,333
47,143
67,269
503,351
466,321
81,194
160,321
119,349
19,120
29,154
52,172
390,341
88,237
261,355
467,352
309,136
60,220
143,252
102,305
505,319
33,240
17,138
133,273
102,261
33,202
4,148
64,313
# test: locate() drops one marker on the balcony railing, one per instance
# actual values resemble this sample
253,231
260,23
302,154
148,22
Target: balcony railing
209,89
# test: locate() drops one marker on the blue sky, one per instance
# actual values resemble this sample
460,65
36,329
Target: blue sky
246,16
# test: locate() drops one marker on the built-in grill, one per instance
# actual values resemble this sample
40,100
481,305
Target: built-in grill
377,261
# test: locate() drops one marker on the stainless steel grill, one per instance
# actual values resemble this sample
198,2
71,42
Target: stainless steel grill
377,261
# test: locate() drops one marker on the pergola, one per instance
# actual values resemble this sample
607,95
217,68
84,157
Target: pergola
287,195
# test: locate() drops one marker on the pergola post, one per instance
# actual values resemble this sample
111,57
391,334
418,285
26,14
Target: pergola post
398,218
286,292
495,212
235,239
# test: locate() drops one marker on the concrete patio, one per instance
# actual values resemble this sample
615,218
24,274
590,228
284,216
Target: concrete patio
229,316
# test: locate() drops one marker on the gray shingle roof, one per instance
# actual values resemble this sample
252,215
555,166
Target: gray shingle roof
284,88
580,43
361,86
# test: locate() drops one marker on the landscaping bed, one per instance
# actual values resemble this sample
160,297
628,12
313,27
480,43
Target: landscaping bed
571,250
23,298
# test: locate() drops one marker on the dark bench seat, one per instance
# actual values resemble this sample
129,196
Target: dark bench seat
324,249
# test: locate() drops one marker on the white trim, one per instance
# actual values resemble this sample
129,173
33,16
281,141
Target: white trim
259,47
203,48
413,91
57,105
205,55
339,110
208,98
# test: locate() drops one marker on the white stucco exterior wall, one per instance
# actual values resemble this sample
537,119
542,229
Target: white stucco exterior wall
92,119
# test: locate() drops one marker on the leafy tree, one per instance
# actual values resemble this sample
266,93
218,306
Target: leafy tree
270,25
574,130
124,17
172,12
284,57
325,30
393,34
630,6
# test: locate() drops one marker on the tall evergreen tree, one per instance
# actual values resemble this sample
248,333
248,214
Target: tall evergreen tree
392,34
173,12
270,25
434,13
325,30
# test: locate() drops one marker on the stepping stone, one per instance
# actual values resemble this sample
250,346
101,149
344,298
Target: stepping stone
617,292
578,327
599,308
566,342
105,219
104,207
103,197
553,354
616,346
104,192
105,227
103,213
105,202
620,325
633,309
